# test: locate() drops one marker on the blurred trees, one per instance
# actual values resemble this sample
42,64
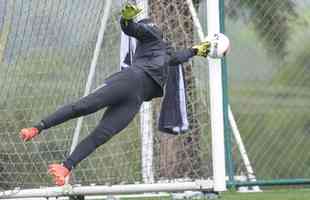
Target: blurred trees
273,111
270,19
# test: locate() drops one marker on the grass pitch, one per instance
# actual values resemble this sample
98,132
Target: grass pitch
291,194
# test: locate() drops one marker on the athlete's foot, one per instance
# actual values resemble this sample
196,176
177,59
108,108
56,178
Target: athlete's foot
59,173
27,134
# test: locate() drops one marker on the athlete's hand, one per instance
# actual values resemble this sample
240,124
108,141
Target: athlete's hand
27,134
202,49
130,11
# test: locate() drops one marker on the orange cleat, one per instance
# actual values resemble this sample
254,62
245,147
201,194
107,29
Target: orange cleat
59,173
27,134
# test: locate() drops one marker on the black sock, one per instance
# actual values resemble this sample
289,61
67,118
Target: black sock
68,164
40,126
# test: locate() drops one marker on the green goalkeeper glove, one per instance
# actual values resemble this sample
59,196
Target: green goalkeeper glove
202,49
130,11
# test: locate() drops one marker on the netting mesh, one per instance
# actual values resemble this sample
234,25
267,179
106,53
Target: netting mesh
174,156
184,156
269,84
45,50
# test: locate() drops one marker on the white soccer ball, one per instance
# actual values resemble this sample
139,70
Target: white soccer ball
220,45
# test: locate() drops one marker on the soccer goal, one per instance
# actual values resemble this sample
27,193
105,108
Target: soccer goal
53,52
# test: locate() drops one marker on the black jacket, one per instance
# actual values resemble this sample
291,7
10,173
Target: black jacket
153,54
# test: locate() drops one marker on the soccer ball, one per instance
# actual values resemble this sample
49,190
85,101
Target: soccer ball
220,45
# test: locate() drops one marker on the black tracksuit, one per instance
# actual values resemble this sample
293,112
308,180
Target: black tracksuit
123,92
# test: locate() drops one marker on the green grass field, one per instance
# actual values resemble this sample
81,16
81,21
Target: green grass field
291,194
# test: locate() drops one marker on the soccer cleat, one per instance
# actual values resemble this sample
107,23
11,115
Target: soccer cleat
59,173
219,45
27,134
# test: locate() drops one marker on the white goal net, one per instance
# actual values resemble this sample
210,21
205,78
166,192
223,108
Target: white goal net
46,49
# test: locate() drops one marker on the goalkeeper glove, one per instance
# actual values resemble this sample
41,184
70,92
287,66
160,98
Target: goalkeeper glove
130,11
214,46
202,49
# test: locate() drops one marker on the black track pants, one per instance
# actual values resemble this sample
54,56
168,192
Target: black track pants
122,94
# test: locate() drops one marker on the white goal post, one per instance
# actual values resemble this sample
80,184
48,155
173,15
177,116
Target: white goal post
146,125
216,95
236,134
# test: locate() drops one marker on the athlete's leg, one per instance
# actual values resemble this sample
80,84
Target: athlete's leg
105,96
115,119
115,89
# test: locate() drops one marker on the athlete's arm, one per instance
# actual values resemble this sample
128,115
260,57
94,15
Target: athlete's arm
181,56
139,31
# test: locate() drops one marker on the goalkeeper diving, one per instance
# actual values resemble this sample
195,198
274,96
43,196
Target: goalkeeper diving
124,92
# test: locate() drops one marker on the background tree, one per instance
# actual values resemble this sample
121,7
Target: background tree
173,150
270,18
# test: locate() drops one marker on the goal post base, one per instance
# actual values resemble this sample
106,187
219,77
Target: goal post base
279,182
198,185
77,197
